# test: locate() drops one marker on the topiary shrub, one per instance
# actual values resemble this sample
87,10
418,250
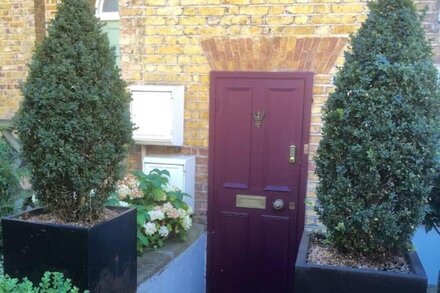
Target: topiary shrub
377,153
74,120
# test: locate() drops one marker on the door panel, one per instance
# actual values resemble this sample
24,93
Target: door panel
281,104
275,253
255,118
233,243
236,135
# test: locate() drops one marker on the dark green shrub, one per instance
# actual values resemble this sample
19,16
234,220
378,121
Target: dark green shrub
9,180
50,283
74,121
377,153
11,173
432,218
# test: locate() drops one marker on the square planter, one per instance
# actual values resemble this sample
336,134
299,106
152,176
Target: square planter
314,278
101,258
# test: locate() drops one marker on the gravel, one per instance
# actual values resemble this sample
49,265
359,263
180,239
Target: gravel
324,254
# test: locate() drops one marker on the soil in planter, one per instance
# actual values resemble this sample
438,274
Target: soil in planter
324,254
53,218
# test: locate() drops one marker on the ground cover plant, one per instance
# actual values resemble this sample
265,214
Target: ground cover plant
376,158
161,211
50,283
74,121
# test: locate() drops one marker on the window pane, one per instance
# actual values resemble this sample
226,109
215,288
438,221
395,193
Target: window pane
110,6
112,29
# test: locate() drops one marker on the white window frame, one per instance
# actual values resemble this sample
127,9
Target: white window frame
105,15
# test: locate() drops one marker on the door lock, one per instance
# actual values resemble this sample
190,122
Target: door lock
292,154
278,204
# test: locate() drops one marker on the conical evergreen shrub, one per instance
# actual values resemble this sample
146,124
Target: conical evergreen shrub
74,121
376,156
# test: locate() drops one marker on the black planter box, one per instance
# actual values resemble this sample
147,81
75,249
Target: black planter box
314,278
101,258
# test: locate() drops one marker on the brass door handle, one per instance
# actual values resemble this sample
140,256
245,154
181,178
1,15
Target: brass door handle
292,154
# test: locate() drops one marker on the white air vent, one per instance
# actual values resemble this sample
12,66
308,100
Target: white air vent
182,172
157,112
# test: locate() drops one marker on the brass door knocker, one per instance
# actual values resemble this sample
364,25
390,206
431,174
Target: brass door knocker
259,117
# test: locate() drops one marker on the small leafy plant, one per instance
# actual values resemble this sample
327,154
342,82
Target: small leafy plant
50,283
161,211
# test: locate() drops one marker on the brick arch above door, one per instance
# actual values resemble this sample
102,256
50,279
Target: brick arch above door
317,54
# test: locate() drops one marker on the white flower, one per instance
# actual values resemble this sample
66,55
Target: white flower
123,203
167,207
34,199
156,215
170,211
189,210
173,214
123,191
186,222
150,228
182,213
163,231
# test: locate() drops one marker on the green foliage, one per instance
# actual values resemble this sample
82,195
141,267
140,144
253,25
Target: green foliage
432,218
161,211
50,283
380,129
9,180
11,174
74,120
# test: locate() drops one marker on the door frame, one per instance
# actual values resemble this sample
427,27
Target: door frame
304,153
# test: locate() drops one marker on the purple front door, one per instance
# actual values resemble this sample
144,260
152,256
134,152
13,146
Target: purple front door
259,125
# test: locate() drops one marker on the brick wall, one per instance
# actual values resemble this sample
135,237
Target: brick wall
17,36
180,42
431,24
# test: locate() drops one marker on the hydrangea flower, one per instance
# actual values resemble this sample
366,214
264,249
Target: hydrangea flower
186,222
150,228
182,213
156,215
167,207
170,211
163,218
123,191
129,187
163,231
